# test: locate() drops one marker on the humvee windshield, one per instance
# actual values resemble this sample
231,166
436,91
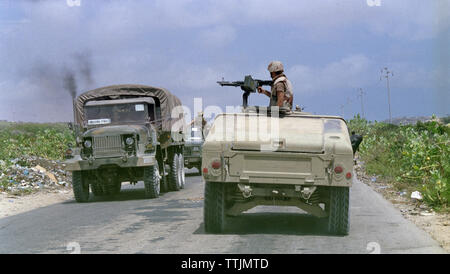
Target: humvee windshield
118,113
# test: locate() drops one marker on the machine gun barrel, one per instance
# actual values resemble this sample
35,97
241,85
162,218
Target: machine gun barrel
230,84
249,85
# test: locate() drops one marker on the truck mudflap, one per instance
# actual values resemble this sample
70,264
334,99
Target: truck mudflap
77,163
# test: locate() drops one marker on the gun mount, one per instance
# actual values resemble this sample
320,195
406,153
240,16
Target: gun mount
249,85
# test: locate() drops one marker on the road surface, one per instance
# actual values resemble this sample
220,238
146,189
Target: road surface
173,223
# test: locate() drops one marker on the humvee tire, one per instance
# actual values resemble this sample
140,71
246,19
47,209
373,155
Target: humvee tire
80,189
181,170
152,181
338,218
214,207
174,174
97,190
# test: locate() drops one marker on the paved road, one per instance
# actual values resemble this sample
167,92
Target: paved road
173,224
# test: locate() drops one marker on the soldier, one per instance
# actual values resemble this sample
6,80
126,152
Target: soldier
356,140
200,121
281,91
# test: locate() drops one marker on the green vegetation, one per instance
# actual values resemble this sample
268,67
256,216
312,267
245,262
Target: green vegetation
409,156
30,139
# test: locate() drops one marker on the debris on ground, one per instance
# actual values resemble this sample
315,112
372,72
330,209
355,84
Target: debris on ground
30,173
411,207
416,196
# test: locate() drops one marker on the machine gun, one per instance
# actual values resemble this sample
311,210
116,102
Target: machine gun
249,85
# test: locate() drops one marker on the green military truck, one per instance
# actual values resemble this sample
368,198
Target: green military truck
126,133
277,157
193,149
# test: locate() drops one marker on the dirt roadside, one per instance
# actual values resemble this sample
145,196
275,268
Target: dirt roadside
434,223
13,204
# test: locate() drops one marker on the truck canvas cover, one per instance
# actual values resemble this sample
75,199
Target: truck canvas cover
167,101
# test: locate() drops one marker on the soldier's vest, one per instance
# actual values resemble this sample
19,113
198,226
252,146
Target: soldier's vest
288,93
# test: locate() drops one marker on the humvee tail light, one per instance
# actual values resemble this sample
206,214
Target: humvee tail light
348,175
215,164
338,169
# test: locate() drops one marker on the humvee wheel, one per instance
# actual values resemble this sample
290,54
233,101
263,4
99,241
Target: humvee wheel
80,188
214,207
338,219
181,171
174,174
152,181
97,189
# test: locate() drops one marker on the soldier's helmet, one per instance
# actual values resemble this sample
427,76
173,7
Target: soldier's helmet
275,66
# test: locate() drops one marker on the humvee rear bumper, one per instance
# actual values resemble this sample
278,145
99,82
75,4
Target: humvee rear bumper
280,168
77,163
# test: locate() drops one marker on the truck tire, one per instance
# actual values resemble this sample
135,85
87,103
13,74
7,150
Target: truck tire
181,171
338,218
152,181
174,174
97,190
214,207
80,188
164,178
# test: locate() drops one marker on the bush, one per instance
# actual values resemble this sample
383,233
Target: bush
417,155
43,140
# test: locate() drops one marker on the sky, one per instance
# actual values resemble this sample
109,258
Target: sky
330,50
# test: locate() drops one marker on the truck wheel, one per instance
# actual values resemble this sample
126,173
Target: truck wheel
338,219
181,170
80,188
164,178
97,189
174,174
214,207
152,181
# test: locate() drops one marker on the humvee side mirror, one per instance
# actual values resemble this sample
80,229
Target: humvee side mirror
70,125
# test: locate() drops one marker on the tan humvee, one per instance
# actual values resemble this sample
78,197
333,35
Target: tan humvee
290,159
